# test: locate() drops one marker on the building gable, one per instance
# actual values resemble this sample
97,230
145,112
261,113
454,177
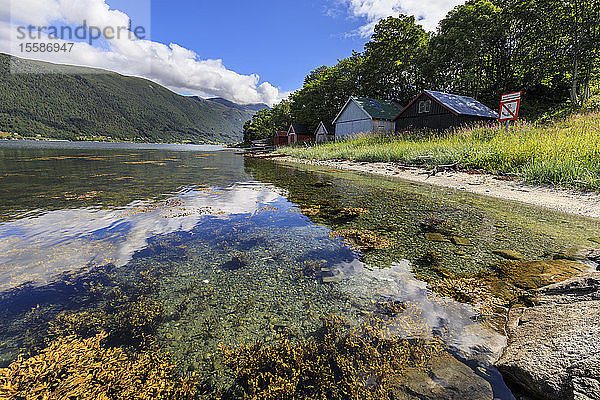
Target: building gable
424,105
352,111
298,129
323,130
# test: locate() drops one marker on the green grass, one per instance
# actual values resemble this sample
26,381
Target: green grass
565,153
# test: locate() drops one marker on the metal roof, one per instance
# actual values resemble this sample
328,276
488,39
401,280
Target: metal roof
463,105
378,109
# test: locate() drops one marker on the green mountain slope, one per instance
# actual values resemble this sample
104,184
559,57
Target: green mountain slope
67,102
248,107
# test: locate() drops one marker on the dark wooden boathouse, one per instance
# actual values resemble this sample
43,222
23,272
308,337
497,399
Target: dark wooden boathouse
299,133
440,111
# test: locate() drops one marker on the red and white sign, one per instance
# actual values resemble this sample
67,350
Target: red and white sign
509,106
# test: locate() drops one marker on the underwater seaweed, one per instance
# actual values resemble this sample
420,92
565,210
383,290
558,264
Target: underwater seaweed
341,363
362,239
130,323
75,368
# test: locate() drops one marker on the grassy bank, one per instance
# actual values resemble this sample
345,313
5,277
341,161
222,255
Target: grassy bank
565,153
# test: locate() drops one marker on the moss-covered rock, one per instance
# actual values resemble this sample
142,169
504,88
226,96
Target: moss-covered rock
535,274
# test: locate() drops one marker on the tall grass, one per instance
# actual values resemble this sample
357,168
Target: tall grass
565,153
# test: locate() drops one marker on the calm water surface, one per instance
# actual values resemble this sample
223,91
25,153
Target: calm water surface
238,251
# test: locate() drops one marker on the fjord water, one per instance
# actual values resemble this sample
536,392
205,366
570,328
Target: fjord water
239,250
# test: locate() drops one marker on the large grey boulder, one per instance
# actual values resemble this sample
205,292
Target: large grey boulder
585,377
553,348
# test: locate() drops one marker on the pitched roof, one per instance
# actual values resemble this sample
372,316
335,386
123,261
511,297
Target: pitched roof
462,105
328,127
299,129
378,109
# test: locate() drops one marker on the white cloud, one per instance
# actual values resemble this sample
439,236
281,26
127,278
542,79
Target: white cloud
428,13
173,66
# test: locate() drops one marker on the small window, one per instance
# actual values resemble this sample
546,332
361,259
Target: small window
424,106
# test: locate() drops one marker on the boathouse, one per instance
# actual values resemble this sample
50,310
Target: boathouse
324,133
363,115
440,111
280,138
299,133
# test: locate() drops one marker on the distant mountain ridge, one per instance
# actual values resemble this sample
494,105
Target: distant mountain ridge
69,102
242,107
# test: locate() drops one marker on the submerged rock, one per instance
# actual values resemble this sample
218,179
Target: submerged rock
362,239
435,237
460,241
235,263
553,348
446,379
437,225
508,254
335,277
536,274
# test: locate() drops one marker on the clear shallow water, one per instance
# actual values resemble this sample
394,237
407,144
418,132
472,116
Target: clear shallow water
236,251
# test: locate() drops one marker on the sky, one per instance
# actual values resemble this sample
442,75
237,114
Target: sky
244,51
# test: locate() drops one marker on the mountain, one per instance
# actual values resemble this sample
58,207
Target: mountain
68,102
242,107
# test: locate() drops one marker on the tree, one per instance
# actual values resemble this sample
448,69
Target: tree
392,68
469,53
265,122
556,45
325,91
582,26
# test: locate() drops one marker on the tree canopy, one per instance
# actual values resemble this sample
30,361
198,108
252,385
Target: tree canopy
549,49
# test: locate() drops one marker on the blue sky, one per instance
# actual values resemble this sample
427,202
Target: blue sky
282,41
245,51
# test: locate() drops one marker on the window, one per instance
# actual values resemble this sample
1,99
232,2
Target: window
424,106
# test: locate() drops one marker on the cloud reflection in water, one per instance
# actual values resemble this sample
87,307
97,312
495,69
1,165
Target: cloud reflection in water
37,249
